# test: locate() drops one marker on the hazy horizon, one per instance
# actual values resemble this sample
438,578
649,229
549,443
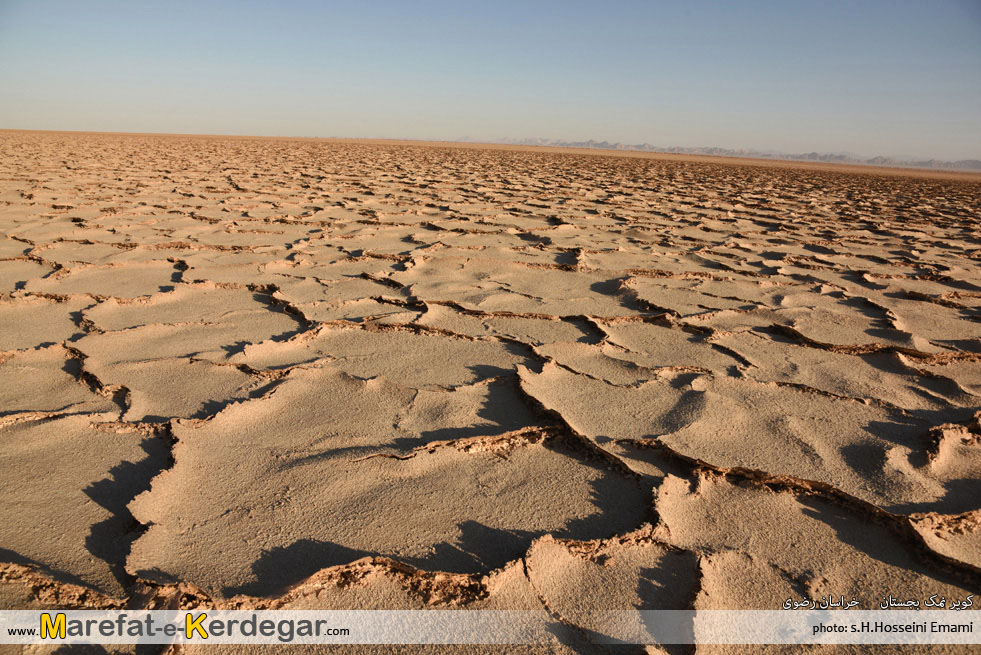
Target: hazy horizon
890,79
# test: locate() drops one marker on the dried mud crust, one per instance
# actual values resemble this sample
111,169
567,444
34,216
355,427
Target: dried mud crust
272,373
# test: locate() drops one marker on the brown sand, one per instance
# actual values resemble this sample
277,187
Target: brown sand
336,374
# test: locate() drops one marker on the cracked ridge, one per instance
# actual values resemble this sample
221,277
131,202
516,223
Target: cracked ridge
898,524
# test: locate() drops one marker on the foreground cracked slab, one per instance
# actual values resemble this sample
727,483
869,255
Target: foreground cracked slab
306,495
313,374
67,516
826,548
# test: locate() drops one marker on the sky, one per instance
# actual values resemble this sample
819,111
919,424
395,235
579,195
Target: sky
864,77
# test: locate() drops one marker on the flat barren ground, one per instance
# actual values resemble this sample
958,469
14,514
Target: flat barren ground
313,374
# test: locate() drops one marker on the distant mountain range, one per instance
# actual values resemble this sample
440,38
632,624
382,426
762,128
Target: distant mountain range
833,158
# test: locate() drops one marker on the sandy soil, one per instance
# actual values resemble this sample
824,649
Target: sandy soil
315,374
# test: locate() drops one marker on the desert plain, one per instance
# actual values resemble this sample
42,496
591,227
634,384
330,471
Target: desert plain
272,373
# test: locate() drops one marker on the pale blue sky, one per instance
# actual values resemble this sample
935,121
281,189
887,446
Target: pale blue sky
874,77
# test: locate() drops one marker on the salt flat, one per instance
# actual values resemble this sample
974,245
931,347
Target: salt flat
336,374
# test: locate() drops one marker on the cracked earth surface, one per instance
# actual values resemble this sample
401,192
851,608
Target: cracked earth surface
304,374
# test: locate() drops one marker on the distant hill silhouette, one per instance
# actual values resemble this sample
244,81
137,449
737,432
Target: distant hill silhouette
835,158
